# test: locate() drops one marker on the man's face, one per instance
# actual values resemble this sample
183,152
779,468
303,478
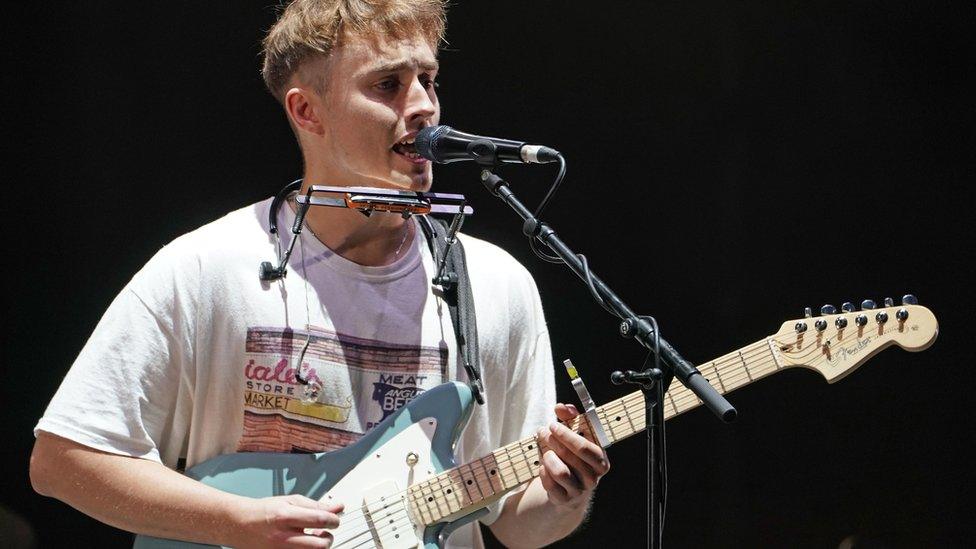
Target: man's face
378,94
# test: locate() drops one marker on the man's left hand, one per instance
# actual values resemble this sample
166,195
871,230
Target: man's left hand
571,464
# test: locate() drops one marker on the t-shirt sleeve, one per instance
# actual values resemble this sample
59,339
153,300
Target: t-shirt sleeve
530,397
121,394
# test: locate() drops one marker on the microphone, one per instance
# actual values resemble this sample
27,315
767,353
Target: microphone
444,144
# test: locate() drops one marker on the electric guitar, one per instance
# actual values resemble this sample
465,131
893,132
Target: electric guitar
402,489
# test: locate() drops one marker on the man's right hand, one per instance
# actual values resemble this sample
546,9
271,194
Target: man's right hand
144,496
287,521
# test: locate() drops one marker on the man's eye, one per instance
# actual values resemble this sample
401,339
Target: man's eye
429,83
389,84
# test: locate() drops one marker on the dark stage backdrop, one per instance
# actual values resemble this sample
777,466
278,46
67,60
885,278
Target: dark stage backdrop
729,164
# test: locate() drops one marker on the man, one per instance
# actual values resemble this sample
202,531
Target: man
197,357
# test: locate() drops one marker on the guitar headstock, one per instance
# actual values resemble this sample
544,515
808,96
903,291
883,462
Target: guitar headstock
836,342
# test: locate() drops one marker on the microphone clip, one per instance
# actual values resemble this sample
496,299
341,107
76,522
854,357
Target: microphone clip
484,152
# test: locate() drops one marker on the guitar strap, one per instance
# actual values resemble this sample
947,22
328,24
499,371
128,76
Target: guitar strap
456,287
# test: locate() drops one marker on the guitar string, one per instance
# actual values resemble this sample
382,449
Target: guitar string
717,365
725,363
387,528
680,406
359,514
680,403
460,502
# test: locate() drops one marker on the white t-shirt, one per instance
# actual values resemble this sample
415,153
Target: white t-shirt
195,357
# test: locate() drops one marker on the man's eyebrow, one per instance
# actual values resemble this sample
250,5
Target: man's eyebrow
396,66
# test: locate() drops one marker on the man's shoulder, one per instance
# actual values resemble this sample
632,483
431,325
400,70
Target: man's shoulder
482,255
237,228
238,235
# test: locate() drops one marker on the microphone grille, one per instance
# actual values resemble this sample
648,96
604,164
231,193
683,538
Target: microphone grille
426,141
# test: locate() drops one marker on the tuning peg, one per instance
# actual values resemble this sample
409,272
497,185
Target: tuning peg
867,304
847,307
828,309
909,299
889,302
807,312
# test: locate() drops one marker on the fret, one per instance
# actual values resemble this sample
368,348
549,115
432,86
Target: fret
744,367
432,501
504,463
525,460
534,455
674,405
773,352
448,493
601,414
471,481
718,377
491,474
526,468
459,487
630,418
437,492
417,505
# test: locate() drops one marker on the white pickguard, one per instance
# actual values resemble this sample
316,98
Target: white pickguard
376,512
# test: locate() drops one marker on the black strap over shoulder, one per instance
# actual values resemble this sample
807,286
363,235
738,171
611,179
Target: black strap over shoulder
453,279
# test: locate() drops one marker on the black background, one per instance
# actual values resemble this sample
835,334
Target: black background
729,164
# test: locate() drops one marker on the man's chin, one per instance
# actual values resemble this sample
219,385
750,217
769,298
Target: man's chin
416,181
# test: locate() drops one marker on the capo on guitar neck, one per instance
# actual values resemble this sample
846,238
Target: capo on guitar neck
589,408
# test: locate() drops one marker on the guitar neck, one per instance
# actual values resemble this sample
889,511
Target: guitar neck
462,490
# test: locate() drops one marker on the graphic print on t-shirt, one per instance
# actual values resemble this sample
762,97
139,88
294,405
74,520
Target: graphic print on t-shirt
360,381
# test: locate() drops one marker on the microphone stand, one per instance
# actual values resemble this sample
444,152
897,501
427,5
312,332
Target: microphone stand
654,381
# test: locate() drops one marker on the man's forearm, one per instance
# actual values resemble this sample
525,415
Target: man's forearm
133,494
529,519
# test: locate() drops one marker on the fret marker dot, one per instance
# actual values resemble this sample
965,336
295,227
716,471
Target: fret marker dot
430,498
448,490
618,418
493,471
470,482
535,462
530,446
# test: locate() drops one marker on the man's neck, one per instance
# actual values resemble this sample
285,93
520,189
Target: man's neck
373,241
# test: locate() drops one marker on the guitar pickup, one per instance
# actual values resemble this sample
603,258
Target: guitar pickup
388,518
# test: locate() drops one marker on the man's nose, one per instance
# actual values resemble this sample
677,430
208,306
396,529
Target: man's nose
419,104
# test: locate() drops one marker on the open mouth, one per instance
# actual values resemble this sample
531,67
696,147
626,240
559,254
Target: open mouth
406,148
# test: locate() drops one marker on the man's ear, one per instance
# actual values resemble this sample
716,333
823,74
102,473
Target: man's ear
304,109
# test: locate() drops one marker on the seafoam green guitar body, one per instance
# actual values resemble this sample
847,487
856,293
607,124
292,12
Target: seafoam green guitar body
369,477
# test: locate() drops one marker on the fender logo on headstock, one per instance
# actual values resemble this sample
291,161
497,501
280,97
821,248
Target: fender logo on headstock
844,352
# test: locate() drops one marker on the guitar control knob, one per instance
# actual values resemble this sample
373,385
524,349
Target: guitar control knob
412,459
889,302
820,325
861,320
902,314
909,299
808,312
800,327
881,317
847,307
867,304
841,322
828,309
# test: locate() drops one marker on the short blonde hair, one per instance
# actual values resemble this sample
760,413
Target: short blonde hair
311,29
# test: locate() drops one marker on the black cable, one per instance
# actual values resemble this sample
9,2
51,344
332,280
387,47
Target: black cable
534,240
593,291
